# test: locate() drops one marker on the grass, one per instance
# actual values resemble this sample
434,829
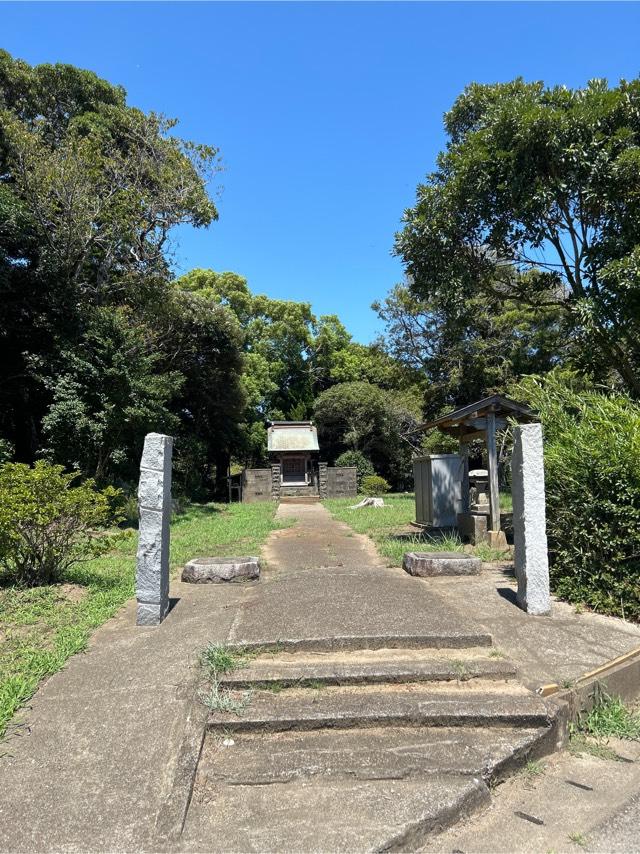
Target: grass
384,526
216,660
608,718
41,627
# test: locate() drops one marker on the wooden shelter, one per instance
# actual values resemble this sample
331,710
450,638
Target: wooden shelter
481,420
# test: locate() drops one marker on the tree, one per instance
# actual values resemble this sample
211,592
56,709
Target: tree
90,189
544,180
359,416
471,348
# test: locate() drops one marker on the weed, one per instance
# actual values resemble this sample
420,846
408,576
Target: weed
496,653
578,839
275,687
461,670
488,554
533,769
219,659
609,717
580,744
314,684
218,699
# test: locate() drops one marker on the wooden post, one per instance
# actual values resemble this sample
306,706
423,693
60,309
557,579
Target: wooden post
494,489
464,453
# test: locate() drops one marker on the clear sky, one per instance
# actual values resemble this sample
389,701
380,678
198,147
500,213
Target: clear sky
327,115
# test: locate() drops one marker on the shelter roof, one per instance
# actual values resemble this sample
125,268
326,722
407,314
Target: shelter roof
472,417
292,436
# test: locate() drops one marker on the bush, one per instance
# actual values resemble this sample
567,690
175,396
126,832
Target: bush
359,461
373,484
47,525
592,472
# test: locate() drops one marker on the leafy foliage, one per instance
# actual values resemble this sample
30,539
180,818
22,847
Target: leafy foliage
373,484
363,417
47,525
592,448
543,181
364,467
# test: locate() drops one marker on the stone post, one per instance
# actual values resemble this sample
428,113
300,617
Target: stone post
529,520
154,503
323,480
276,481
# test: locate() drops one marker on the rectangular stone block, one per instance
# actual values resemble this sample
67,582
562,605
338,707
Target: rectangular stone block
148,614
529,520
152,489
157,453
154,499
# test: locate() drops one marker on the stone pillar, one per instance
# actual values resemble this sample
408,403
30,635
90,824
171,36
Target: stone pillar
323,480
276,481
154,503
529,520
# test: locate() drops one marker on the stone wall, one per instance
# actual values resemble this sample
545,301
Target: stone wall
342,482
256,485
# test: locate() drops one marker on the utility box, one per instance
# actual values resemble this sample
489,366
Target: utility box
438,489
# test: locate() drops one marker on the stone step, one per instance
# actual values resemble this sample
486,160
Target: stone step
299,499
441,639
337,815
375,753
376,789
439,705
388,666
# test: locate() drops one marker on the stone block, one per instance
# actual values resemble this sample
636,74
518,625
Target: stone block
217,570
472,527
150,614
151,489
529,520
154,499
428,564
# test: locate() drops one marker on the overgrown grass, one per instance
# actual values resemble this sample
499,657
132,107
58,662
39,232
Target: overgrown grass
41,627
610,717
216,660
385,527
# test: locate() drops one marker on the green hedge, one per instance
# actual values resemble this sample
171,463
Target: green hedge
592,471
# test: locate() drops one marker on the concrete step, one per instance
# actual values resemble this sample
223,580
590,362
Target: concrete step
299,499
376,789
438,639
375,753
438,705
368,667
340,815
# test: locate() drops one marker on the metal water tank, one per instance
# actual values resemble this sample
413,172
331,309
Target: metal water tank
438,489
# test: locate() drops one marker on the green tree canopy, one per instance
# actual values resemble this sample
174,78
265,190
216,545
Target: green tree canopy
545,180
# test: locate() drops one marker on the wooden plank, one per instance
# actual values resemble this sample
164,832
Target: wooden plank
492,459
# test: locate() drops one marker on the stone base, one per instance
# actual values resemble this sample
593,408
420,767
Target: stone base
148,614
472,527
497,539
429,564
216,570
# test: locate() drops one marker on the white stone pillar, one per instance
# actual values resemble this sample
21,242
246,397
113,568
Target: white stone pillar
529,520
154,503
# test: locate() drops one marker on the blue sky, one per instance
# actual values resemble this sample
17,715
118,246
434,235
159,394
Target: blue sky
327,114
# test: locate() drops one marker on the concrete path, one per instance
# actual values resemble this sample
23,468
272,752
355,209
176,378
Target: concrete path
109,754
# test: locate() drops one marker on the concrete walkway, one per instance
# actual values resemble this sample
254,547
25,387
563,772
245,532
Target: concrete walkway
106,756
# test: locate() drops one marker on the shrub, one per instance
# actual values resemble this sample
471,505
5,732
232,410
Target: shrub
47,524
592,472
373,484
359,461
